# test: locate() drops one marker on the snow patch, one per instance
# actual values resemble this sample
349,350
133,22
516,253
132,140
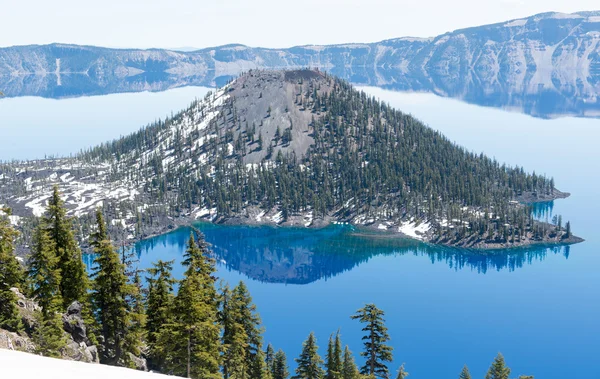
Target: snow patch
411,229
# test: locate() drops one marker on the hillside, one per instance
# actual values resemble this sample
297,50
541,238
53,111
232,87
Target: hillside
552,55
16,364
293,148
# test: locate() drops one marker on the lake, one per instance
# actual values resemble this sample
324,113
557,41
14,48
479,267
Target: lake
444,307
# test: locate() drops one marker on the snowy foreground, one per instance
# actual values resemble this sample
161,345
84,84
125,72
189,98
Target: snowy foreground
15,364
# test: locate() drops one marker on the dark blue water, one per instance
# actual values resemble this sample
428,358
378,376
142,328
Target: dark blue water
539,306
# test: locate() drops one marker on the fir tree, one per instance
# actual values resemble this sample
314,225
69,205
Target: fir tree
159,313
45,278
192,340
376,351
465,374
349,369
498,369
402,374
235,340
309,362
270,357
11,275
333,363
109,296
280,366
74,280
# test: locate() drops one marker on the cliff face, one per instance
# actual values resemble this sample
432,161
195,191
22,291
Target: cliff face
509,64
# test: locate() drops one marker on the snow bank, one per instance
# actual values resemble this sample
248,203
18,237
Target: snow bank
15,364
413,230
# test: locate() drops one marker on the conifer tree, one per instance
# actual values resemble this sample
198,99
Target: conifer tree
159,313
137,313
259,368
109,297
45,278
376,351
465,374
11,275
280,366
270,357
349,369
402,374
309,362
333,363
235,340
498,369
74,280
250,320
192,341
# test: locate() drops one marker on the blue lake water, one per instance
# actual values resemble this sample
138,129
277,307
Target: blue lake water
539,306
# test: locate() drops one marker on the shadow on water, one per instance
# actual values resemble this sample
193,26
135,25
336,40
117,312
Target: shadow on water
302,256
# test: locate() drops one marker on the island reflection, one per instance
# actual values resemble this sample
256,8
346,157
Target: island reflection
303,256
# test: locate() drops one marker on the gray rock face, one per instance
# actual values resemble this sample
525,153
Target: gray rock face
73,323
553,55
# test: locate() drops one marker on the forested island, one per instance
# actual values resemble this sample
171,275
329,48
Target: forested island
196,327
296,148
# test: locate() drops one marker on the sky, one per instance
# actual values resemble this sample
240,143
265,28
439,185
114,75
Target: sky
264,23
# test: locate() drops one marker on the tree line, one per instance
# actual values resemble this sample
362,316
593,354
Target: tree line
367,158
195,327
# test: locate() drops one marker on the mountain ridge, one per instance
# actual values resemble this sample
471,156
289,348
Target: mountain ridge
511,64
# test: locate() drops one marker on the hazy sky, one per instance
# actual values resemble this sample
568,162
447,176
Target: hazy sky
268,23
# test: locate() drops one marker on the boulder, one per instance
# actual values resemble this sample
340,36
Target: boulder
13,341
73,323
138,363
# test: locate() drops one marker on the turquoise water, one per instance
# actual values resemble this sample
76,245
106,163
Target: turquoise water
539,306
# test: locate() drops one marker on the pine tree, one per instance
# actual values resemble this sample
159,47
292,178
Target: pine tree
259,368
250,320
333,363
280,366
11,275
402,374
349,369
465,374
159,313
235,340
270,357
192,341
136,308
109,297
45,278
498,369
74,280
309,362
376,351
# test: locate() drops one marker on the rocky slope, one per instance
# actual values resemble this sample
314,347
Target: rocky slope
551,56
290,148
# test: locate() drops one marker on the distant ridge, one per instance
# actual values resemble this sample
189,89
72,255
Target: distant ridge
512,64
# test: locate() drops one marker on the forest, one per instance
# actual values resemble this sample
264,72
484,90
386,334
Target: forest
196,327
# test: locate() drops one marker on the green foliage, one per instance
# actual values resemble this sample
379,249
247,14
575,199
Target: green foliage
74,280
498,369
11,275
159,312
280,367
49,336
349,369
192,342
309,362
44,273
465,374
402,374
334,359
110,291
375,351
